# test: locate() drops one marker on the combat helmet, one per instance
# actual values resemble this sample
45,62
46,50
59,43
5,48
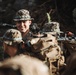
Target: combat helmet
22,15
12,36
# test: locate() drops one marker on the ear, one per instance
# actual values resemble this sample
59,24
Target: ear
30,22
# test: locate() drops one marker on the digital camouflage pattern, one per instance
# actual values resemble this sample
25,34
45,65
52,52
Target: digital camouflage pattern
12,36
22,15
52,27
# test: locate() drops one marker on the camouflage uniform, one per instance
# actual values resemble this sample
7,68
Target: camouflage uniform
23,15
45,47
12,37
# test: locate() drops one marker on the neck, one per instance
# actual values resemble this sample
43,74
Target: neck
25,33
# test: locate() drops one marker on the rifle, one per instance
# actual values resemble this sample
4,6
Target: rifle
7,25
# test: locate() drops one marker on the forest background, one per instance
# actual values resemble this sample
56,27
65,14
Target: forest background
60,11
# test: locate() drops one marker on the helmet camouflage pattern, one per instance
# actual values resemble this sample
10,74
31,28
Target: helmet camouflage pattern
12,36
22,15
